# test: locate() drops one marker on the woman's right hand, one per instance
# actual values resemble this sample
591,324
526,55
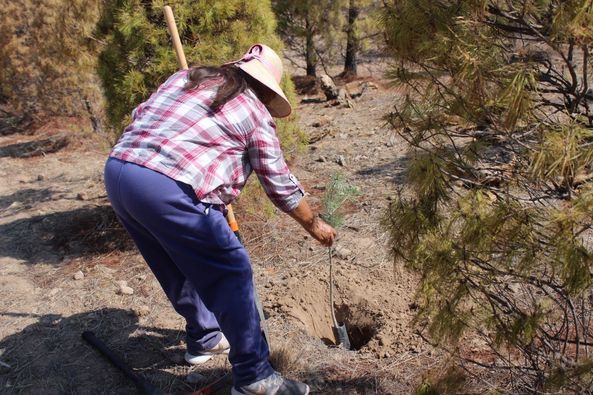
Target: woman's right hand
322,232
318,228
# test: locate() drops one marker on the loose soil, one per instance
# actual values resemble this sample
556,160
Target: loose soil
56,225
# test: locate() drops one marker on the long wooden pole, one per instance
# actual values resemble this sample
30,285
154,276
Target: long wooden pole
233,224
172,26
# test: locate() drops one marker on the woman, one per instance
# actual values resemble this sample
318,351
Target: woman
187,153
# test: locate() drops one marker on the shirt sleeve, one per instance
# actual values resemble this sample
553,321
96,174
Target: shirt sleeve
267,160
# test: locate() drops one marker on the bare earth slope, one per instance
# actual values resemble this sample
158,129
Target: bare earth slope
66,267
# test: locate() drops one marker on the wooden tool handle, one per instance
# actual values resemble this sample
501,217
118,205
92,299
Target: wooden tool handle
172,26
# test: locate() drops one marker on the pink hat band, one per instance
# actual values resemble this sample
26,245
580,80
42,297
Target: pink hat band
268,58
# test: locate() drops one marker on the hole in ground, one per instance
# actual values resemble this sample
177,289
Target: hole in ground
360,326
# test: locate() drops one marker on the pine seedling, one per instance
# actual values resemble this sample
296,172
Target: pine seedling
337,192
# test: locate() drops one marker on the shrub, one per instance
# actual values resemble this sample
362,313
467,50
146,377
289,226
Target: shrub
139,56
496,216
47,57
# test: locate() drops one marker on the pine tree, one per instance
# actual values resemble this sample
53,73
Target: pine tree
139,55
360,26
327,30
48,59
303,20
496,215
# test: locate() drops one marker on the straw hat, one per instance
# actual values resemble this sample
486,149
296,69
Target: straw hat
263,64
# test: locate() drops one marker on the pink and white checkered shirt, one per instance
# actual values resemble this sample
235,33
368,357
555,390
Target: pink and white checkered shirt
176,133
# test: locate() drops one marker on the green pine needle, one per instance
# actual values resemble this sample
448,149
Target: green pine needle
337,192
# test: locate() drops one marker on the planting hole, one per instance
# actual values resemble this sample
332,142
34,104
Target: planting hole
360,325
312,309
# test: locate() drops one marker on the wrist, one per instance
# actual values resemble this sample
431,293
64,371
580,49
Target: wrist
309,222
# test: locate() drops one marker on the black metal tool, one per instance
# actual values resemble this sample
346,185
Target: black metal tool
143,386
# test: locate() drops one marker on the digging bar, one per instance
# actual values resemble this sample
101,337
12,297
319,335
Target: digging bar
233,224
340,331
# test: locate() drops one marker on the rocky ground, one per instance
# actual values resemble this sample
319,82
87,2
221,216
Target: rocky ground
66,266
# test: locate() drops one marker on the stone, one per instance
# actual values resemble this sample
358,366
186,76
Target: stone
82,196
79,275
341,160
124,289
342,253
322,159
40,177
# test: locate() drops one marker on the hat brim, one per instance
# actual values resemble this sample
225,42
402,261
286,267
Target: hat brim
279,106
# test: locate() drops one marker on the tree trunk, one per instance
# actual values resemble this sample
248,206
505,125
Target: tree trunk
352,43
310,54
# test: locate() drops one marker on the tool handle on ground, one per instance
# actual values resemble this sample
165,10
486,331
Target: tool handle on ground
144,386
172,26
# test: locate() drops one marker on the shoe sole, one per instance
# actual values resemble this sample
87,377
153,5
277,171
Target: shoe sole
235,391
200,359
197,359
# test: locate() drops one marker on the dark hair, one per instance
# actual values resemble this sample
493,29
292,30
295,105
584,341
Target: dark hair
234,82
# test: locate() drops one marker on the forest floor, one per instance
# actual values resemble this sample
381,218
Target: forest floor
66,266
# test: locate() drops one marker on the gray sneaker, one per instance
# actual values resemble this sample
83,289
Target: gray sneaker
274,384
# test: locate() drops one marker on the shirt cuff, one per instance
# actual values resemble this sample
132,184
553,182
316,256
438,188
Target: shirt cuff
291,201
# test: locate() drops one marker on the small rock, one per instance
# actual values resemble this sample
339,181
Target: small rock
124,289
40,177
341,160
82,196
322,159
79,275
342,253
195,378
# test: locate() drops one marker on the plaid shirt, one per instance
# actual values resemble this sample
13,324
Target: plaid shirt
175,133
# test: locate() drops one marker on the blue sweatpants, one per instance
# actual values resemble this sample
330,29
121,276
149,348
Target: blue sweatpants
202,267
